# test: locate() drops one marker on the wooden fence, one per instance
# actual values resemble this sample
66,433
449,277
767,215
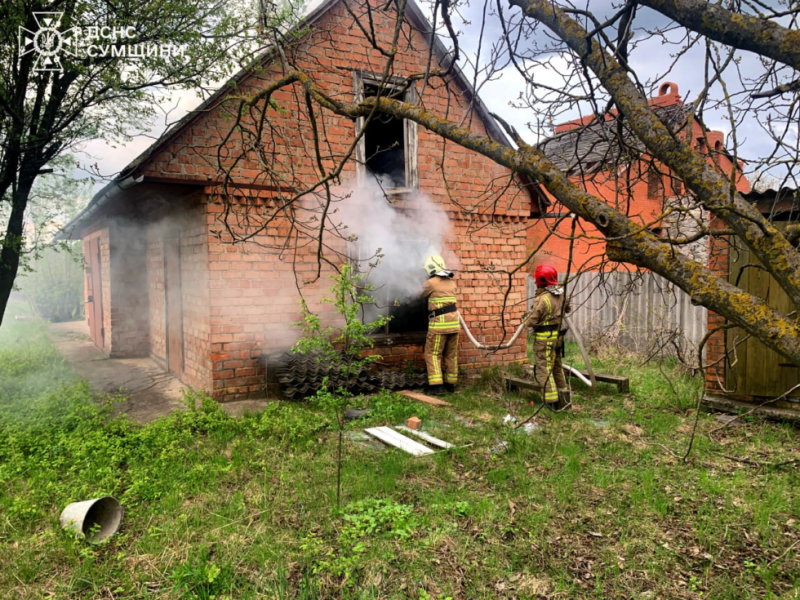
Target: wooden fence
636,311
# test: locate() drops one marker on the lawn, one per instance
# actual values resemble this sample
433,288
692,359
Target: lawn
597,503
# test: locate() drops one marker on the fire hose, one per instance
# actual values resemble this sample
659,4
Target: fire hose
591,381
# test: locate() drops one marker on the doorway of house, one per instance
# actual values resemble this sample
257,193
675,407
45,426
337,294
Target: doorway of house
174,303
94,290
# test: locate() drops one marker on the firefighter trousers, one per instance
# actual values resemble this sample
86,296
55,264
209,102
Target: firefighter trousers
439,346
547,366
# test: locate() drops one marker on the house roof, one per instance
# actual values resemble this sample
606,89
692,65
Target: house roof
778,202
126,177
775,190
600,143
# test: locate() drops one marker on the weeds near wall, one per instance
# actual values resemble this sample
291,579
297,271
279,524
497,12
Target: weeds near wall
342,348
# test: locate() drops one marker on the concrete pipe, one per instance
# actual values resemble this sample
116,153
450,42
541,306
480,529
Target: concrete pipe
96,520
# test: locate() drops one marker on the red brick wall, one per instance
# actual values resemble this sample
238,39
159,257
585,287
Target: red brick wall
553,239
255,303
155,285
719,263
128,289
625,190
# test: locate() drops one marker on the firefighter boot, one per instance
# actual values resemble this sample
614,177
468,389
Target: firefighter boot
564,399
434,390
450,388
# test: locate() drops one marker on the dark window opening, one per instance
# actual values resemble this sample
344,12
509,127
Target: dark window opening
384,143
655,184
409,315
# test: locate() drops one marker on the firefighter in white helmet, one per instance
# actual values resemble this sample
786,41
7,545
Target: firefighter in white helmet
441,345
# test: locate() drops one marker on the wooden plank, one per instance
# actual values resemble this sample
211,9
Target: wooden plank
736,366
522,383
623,384
423,398
731,405
759,371
392,438
425,436
759,377
787,375
406,443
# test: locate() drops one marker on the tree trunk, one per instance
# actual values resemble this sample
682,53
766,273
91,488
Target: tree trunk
13,244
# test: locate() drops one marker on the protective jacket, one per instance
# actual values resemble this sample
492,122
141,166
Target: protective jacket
442,313
545,315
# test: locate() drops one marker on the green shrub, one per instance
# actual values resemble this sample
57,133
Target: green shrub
202,578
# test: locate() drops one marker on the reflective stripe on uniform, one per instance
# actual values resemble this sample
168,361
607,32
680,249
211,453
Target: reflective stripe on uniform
547,335
435,378
549,309
446,327
551,392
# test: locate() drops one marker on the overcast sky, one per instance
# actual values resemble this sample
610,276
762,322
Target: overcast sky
650,60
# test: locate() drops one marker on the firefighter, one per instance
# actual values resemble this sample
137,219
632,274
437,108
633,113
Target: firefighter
441,344
545,318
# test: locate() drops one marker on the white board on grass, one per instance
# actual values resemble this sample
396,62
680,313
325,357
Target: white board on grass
427,437
398,440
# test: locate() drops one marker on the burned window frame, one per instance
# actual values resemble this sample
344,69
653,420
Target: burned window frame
362,79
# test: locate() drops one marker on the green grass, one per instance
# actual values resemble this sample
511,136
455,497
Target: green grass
596,504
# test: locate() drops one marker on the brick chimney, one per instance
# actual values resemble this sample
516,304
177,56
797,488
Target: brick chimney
667,95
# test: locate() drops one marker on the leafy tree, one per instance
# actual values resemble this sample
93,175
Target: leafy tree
61,85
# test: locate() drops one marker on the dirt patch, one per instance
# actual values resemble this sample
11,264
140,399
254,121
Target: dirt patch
149,391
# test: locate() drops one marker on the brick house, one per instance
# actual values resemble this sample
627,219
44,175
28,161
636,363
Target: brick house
640,187
741,372
164,280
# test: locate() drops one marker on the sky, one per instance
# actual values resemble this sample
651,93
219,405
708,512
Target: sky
650,59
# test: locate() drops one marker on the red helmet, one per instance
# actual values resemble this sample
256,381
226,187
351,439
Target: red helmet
545,276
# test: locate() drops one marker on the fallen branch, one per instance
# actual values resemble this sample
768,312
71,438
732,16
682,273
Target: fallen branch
755,408
760,465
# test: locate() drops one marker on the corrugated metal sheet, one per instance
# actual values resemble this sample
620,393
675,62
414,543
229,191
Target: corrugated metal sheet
639,311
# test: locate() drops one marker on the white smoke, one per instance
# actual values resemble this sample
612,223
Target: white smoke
392,235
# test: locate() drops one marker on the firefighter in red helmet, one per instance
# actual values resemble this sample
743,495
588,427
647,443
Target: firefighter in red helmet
549,306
